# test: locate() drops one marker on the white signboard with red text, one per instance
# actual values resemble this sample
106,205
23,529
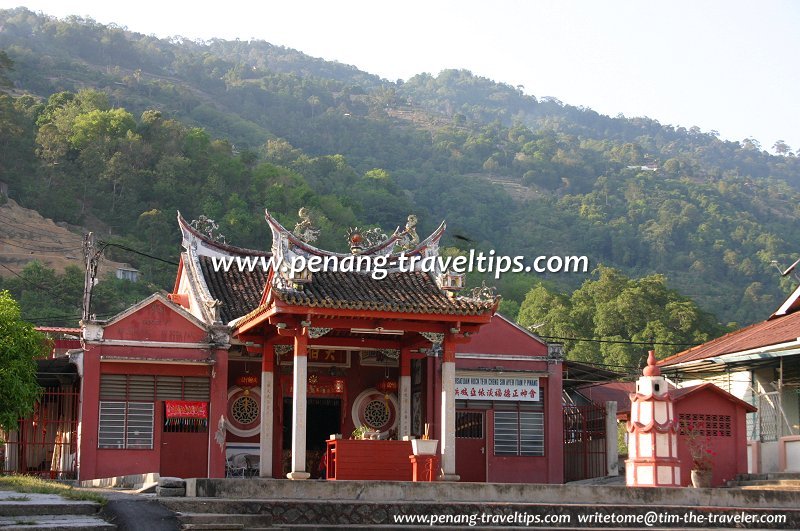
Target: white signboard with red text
491,387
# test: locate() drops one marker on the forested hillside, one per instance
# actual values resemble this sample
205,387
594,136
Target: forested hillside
106,128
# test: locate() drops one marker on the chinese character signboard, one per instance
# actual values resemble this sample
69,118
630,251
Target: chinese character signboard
497,388
185,409
322,357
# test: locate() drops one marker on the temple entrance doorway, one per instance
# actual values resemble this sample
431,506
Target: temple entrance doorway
323,418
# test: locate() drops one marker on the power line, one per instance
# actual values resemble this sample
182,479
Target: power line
124,248
64,317
621,341
35,285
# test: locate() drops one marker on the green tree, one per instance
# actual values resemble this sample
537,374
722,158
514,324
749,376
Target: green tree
20,345
629,312
6,65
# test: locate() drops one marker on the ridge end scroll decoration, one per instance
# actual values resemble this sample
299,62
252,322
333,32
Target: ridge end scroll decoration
208,227
304,229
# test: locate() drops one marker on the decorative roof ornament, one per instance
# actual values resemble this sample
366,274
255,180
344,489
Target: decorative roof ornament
484,293
375,237
208,227
355,240
652,365
359,241
451,282
305,229
409,238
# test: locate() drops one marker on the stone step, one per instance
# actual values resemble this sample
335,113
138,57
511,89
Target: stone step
207,490
769,476
36,508
220,524
788,488
289,513
231,521
768,482
55,522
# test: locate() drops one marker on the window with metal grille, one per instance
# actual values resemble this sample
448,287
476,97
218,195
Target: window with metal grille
518,432
127,405
705,425
126,425
146,388
469,424
768,415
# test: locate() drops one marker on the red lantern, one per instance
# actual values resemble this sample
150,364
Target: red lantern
338,385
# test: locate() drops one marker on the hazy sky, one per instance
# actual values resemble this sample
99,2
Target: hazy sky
727,65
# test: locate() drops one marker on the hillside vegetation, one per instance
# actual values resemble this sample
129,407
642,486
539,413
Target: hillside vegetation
99,123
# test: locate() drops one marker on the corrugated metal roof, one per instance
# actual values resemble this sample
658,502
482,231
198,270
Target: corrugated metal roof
770,332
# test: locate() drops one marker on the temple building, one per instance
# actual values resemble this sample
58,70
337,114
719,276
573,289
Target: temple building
258,362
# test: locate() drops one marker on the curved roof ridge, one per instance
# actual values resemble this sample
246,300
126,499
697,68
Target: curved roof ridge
379,248
190,233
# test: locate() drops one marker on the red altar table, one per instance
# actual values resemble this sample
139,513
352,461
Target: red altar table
364,459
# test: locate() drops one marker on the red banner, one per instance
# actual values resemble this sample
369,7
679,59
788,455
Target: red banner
185,409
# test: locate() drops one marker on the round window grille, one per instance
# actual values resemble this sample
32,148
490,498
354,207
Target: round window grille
375,410
244,410
376,414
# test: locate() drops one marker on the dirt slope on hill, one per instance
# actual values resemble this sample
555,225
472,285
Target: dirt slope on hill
26,236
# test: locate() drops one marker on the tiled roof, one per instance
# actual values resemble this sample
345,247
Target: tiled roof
769,332
58,330
411,292
621,391
238,291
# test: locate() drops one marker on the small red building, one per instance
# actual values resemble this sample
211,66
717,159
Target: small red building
136,368
502,349
719,416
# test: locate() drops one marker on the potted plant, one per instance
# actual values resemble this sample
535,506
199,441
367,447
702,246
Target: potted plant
699,444
359,432
363,433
